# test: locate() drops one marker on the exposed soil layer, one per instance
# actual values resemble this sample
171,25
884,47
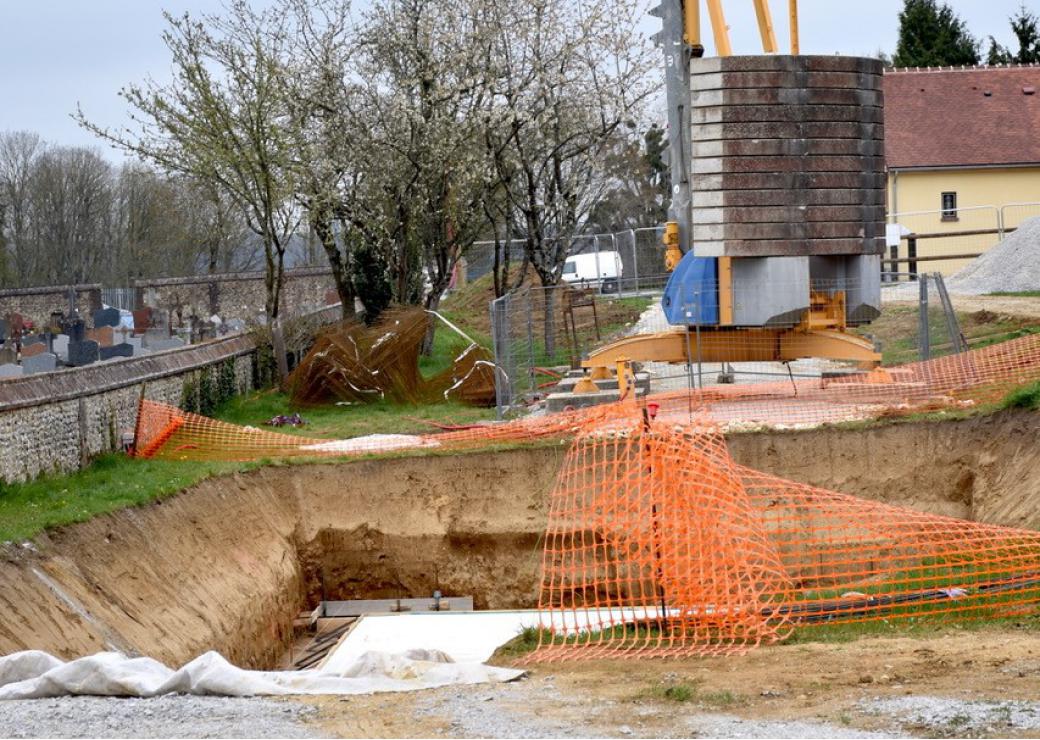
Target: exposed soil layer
227,564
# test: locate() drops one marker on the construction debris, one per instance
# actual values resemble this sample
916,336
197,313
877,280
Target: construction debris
354,363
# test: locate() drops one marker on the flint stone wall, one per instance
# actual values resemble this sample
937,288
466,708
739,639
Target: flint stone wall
37,304
240,295
53,423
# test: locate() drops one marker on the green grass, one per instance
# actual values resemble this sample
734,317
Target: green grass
1026,397
112,482
115,481
339,422
898,328
1017,293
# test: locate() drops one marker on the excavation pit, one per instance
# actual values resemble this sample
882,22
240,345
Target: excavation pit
229,564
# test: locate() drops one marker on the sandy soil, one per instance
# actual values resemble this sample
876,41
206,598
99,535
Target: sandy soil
1020,306
228,564
949,683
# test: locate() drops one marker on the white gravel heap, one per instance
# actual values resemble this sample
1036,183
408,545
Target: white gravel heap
1011,266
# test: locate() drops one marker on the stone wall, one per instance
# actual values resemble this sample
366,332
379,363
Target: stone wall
37,304
55,422
234,295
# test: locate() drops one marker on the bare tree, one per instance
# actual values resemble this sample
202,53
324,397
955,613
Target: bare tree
223,121
569,75
19,151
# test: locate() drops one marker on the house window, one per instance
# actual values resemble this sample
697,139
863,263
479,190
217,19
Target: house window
949,206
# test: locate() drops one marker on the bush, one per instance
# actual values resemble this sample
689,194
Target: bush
1026,397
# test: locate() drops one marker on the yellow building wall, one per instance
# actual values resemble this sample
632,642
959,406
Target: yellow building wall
982,196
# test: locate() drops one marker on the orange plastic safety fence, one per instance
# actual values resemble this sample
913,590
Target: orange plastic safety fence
658,544
953,382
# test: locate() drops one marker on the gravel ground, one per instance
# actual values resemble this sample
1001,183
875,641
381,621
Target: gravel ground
1012,265
505,711
958,717
166,716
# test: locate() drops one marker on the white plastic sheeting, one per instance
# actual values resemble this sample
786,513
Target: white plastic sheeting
34,674
468,637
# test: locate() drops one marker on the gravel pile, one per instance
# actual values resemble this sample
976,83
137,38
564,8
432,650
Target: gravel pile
1011,266
166,716
959,718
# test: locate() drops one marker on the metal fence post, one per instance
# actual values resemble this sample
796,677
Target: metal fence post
635,259
923,339
500,346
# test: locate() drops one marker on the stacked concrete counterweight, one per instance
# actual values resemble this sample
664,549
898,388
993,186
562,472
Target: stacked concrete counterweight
787,156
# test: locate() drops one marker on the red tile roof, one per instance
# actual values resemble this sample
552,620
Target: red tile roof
975,116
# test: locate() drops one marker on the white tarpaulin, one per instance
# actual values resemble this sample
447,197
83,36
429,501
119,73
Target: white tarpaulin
34,674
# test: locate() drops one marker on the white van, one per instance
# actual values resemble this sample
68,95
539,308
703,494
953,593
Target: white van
602,269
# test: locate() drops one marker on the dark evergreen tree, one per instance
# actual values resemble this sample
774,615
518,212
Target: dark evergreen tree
1026,28
932,35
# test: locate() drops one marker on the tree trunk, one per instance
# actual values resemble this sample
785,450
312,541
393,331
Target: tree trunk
549,294
338,264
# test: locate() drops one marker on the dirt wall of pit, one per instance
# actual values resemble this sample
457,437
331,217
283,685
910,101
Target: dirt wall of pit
228,564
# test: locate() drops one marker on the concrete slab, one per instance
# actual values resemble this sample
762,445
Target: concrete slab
560,401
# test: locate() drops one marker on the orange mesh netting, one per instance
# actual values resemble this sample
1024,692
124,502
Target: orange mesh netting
658,544
954,382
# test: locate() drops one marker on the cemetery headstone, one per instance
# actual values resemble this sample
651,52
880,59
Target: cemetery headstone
103,335
60,345
235,325
76,329
42,363
136,343
7,355
84,353
106,317
142,320
31,350
30,339
3,330
116,350
10,371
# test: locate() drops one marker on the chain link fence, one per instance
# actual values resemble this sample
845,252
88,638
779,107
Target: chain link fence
540,334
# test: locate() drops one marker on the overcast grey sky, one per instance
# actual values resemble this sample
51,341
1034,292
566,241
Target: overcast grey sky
55,53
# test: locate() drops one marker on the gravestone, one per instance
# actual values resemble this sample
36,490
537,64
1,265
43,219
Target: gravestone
42,363
31,350
7,355
76,329
3,330
31,339
83,353
142,320
103,335
106,317
10,371
136,343
160,345
116,350
60,346
235,325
